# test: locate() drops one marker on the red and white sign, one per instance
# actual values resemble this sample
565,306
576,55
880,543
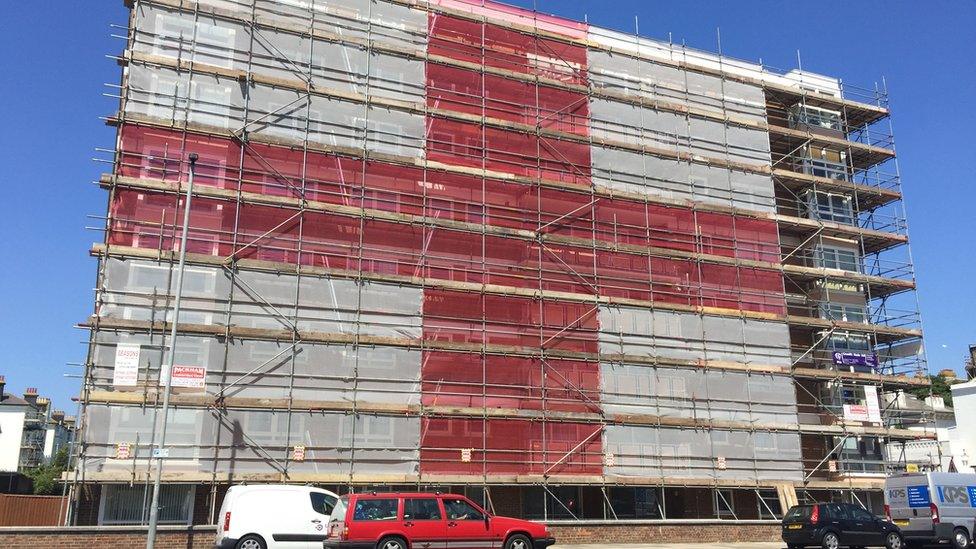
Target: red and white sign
126,371
187,377
123,450
856,412
298,453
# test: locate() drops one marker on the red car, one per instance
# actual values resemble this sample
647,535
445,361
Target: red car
426,521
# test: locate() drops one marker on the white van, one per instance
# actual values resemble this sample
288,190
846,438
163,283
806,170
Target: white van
274,516
933,507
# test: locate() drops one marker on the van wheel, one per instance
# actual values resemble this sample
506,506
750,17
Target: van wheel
960,538
518,541
894,541
830,541
251,541
392,543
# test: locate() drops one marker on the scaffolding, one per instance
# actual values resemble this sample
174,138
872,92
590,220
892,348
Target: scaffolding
575,273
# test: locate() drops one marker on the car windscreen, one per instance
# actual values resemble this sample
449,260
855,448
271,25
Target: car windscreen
798,513
339,511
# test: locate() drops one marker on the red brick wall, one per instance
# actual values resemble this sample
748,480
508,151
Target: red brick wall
174,537
696,532
80,537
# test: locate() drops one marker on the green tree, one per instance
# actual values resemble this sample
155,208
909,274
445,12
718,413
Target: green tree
940,387
47,478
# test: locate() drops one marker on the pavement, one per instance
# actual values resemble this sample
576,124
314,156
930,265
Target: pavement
750,545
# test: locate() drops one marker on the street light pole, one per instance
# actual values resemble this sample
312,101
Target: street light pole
170,357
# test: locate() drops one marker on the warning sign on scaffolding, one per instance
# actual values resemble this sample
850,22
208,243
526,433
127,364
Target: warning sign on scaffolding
193,378
465,455
609,459
123,450
298,453
832,466
126,372
721,462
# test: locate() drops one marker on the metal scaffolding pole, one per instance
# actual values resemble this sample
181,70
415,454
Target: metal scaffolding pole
161,449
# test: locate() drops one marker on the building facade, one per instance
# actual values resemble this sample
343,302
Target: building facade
32,432
575,273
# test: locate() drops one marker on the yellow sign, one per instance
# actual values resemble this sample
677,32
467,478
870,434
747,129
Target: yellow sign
911,468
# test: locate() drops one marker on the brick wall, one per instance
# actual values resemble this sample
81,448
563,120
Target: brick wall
201,537
85,537
689,532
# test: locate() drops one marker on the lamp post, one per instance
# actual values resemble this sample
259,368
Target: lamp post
168,366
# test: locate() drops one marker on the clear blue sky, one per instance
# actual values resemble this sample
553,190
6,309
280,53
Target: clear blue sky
54,69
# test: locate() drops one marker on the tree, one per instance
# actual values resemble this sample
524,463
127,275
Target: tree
940,387
47,478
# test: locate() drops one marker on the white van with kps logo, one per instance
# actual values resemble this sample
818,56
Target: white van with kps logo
933,507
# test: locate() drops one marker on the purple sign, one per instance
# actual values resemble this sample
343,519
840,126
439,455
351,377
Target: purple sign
856,359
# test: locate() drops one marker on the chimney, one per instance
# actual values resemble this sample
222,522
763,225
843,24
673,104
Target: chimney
57,416
30,395
3,383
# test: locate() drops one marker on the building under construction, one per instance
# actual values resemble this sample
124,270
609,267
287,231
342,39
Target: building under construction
451,244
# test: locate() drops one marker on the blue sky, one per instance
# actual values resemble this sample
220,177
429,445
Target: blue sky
55,68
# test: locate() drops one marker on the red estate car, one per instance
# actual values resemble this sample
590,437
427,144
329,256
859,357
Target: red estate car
426,521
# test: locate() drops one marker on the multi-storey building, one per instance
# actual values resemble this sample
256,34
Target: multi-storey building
575,273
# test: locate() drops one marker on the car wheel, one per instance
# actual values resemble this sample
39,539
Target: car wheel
830,541
960,538
894,541
518,541
392,543
251,541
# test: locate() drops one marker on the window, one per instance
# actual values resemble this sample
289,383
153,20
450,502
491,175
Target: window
124,504
768,506
830,257
836,511
823,162
375,509
829,207
814,116
724,506
843,312
859,513
421,509
322,504
211,102
459,509
846,341
339,511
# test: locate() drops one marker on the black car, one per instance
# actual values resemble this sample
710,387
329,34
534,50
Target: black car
833,525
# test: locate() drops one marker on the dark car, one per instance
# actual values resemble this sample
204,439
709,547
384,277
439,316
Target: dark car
833,525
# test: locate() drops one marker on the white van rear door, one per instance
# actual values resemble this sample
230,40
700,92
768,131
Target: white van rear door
908,498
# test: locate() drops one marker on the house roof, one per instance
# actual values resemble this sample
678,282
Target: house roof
12,400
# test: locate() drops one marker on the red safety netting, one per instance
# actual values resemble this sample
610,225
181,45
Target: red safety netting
505,48
152,153
518,16
497,381
374,246
510,446
493,96
527,155
463,317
